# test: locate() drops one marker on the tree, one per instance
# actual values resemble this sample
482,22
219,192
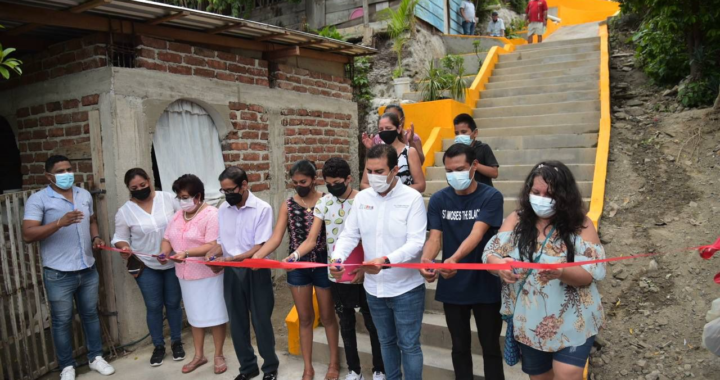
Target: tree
400,21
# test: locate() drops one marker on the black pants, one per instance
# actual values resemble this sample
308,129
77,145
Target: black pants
347,297
249,297
489,326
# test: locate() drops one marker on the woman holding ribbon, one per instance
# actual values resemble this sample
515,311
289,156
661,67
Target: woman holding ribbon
556,313
192,232
297,217
139,227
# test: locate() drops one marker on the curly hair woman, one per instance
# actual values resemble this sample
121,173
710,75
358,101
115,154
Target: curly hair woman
556,313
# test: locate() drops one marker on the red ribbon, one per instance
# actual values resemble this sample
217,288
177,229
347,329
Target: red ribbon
707,251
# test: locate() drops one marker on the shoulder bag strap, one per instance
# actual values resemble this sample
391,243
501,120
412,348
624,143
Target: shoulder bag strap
542,249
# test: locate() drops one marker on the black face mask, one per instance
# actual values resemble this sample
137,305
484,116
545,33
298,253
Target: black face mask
337,189
233,199
388,137
303,191
141,194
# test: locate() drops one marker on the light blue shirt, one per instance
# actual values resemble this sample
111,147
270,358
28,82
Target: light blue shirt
70,248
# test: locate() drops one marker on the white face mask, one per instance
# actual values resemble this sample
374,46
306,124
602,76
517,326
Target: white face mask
378,182
543,207
188,205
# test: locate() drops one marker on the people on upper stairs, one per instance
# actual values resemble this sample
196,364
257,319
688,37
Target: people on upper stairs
496,26
485,164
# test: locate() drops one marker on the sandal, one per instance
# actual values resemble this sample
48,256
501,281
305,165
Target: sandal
222,367
332,373
193,365
308,375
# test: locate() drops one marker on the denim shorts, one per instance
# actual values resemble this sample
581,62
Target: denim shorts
536,362
317,277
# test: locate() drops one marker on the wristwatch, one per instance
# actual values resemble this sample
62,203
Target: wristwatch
387,261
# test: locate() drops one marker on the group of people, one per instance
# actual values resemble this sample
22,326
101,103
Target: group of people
169,238
536,15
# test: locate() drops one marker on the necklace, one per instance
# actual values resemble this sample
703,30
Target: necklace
194,215
305,205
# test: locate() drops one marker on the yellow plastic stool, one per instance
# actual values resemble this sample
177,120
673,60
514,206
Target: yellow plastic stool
292,321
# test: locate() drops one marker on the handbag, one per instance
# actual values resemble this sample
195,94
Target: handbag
135,266
512,349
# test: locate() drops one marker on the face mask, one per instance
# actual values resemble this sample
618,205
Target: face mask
233,199
378,182
188,205
64,180
337,189
303,191
141,194
388,137
459,180
543,207
463,139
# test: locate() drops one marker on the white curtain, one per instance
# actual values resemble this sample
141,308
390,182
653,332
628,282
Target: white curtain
187,142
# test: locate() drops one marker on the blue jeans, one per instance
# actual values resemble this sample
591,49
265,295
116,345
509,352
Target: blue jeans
161,288
398,321
468,28
61,288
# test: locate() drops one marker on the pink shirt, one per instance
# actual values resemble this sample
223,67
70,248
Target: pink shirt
183,235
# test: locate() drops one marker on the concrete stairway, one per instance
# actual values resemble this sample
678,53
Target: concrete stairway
542,102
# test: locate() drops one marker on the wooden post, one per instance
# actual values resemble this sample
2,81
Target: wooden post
366,13
315,13
98,163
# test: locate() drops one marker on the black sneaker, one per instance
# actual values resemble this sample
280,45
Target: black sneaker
157,357
178,351
270,376
247,376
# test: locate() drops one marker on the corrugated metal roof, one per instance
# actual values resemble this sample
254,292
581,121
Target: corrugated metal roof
145,10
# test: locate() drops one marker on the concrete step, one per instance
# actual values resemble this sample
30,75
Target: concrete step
582,172
535,120
587,85
555,97
437,362
507,188
556,44
464,44
554,51
533,156
577,128
538,110
549,60
540,68
572,75
548,141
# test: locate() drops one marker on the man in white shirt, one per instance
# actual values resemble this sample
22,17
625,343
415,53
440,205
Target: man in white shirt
390,220
246,223
496,26
467,14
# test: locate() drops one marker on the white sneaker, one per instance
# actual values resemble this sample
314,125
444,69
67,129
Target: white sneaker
378,376
101,366
68,373
354,376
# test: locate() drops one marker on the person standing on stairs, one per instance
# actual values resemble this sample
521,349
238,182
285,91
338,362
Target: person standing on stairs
536,16
467,14
486,165
409,164
331,212
297,217
465,216
391,221
412,139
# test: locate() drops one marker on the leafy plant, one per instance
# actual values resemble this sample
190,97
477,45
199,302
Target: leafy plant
330,31
514,27
447,77
7,64
699,93
434,83
478,53
400,21
360,80
518,6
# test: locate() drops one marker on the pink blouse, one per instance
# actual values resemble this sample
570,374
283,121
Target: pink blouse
183,235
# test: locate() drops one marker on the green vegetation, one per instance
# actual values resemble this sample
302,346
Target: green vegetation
8,64
400,22
360,80
235,8
514,27
330,31
518,6
478,53
680,40
449,77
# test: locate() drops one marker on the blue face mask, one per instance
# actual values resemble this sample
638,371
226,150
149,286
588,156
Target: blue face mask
459,180
463,139
64,180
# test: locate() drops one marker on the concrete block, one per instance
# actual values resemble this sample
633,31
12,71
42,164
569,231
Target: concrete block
556,97
556,44
555,51
463,45
544,120
572,75
539,110
577,128
540,68
586,85
547,141
552,59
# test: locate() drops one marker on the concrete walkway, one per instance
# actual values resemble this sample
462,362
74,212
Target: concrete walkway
136,366
575,32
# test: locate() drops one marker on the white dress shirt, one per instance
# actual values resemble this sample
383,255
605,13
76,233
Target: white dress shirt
245,227
144,232
392,226
495,28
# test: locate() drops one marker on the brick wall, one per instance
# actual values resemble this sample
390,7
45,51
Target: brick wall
45,128
300,80
247,144
315,136
183,59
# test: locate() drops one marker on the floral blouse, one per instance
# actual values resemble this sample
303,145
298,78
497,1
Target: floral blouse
551,315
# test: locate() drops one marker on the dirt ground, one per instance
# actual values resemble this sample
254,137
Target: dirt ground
661,196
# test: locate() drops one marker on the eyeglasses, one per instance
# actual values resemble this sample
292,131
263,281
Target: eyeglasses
225,191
